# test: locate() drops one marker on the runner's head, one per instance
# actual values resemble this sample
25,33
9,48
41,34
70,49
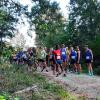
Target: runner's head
86,47
40,48
71,48
57,47
77,48
63,46
66,48
45,48
51,49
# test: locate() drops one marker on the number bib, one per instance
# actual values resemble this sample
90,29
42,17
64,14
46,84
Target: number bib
51,56
58,57
73,57
63,53
87,57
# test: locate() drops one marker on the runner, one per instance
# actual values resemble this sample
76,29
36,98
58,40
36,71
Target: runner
43,59
24,57
19,57
51,60
64,58
73,56
89,59
34,57
68,58
29,61
78,60
47,55
38,56
57,57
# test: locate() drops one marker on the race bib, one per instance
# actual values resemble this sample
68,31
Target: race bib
63,53
51,56
58,57
87,57
73,57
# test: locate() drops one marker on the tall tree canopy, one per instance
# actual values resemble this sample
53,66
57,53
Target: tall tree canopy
48,21
84,20
10,12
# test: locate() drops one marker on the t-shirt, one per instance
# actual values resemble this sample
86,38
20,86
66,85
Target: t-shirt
43,54
57,54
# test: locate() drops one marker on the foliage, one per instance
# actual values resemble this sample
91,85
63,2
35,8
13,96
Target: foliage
6,96
15,80
84,22
10,11
48,21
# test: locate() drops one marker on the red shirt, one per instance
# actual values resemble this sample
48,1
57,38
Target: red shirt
57,54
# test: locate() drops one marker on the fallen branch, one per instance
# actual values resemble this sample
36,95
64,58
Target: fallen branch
32,89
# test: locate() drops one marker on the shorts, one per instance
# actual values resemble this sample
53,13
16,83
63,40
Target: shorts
59,62
24,59
88,61
47,57
73,61
41,60
64,58
30,63
53,61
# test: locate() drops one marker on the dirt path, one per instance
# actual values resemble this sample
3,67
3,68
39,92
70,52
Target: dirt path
84,85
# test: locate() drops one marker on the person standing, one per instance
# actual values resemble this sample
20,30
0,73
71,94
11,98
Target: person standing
43,59
68,59
89,59
73,56
64,58
58,61
52,60
78,60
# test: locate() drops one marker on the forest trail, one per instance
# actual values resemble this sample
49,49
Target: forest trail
81,85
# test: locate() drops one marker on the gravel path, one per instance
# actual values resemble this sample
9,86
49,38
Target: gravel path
83,85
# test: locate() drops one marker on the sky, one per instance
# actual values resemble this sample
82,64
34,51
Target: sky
23,28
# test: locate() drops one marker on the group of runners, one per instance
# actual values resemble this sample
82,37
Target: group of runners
60,59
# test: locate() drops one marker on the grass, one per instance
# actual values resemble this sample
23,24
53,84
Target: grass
17,80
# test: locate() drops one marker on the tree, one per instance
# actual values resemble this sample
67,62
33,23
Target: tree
48,21
10,11
84,20
18,40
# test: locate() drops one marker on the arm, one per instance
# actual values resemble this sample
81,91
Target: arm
78,56
69,53
91,54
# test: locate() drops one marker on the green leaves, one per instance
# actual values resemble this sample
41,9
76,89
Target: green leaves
83,19
48,21
10,12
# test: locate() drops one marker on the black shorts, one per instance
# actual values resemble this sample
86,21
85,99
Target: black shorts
52,60
73,61
24,59
41,60
29,62
47,57
88,61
